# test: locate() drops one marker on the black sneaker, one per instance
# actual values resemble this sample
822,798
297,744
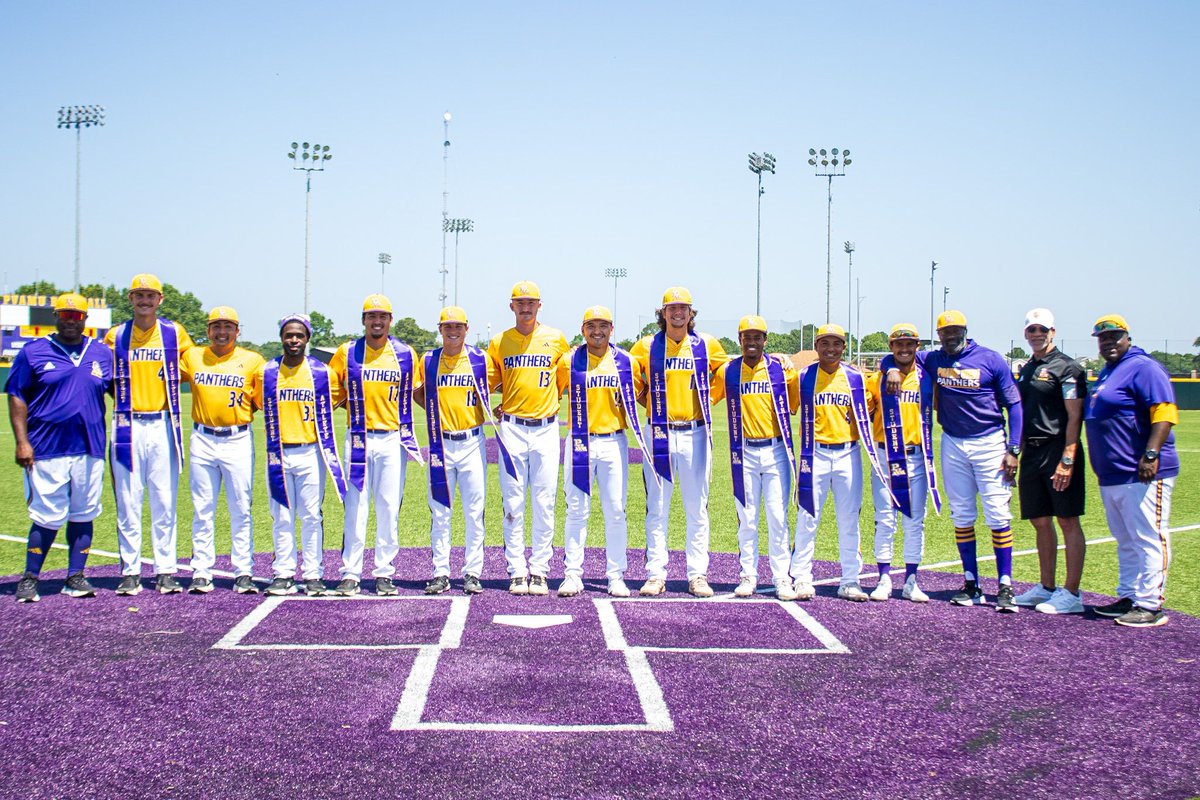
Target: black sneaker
315,587
969,595
200,586
538,586
1117,609
27,589
347,587
1142,618
78,586
130,585
438,585
282,586
167,584
244,584
1005,601
385,588
471,585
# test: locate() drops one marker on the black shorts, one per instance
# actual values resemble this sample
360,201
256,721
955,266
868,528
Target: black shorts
1038,498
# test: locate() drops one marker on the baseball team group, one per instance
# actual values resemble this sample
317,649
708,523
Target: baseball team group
998,432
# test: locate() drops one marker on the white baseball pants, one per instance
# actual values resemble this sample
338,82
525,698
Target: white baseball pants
387,465
535,454
766,479
839,472
155,468
975,466
1139,515
211,461
64,489
608,466
466,471
691,469
886,515
304,475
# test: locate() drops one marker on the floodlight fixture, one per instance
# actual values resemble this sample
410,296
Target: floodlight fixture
827,164
79,117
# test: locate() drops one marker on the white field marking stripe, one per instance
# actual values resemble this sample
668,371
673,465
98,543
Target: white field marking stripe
823,634
514,727
650,695
763,651
456,622
248,623
723,598
614,637
327,646
337,598
416,689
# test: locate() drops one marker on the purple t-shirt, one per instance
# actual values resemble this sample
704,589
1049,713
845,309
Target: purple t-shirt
972,388
64,389
1118,418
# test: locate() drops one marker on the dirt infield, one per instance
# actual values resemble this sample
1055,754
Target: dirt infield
237,696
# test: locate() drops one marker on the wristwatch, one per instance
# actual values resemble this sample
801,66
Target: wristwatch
1014,451
1067,461
1150,455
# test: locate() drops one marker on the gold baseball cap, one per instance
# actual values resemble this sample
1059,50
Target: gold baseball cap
677,294
145,280
452,314
597,312
377,302
752,322
830,329
1110,322
223,314
904,330
951,319
71,302
526,290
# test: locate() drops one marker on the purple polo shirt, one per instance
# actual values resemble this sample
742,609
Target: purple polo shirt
972,389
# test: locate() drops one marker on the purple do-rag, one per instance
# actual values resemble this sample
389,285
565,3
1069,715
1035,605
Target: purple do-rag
301,318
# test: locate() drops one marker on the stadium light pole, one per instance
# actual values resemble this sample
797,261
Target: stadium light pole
932,332
310,159
616,273
78,117
445,198
759,165
945,296
829,164
849,248
384,260
457,226
858,315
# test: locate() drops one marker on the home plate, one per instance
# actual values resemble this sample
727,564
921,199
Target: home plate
532,621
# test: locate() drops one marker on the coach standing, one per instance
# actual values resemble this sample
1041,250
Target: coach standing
1050,484
56,407
1129,418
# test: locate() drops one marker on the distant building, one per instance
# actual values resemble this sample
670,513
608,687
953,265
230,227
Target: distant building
25,317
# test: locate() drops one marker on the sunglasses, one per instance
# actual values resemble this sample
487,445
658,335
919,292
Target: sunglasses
1037,329
73,316
1104,327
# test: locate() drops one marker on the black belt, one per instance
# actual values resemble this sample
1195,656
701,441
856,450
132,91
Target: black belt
840,446
233,431
762,442
294,445
606,435
148,414
460,436
1042,441
909,449
529,423
685,426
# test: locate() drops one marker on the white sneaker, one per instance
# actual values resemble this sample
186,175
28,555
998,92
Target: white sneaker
852,591
1061,602
883,589
746,587
913,592
1038,594
617,588
805,590
784,590
570,586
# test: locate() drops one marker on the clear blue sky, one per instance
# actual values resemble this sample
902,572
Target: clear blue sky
1042,153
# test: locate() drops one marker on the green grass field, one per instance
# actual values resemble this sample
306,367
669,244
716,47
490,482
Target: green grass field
1183,588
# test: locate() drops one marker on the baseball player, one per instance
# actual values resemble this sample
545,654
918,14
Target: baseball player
526,358
677,366
1129,418
56,393
374,376
973,390
295,396
604,388
761,392
903,436
452,386
147,441
222,447
835,417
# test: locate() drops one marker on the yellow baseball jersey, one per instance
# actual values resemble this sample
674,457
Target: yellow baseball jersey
527,371
833,415
910,406
222,386
146,374
758,407
381,384
683,401
297,406
457,399
606,412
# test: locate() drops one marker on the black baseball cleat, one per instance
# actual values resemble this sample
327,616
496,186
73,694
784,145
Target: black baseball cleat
1120,607
347,587
167,584
27,589
315,587
438,585
78,586
244,584
200,586
130,585
1142,618
969,595
471,585
385,588
282,586
1006,600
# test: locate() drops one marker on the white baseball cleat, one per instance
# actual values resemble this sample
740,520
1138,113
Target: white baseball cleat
852,591
784,589
570,586
1062,601
883,589
805,590
1037,595
913,592
617,588
746,587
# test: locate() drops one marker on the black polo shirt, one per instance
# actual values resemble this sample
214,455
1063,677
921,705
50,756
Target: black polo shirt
1044,384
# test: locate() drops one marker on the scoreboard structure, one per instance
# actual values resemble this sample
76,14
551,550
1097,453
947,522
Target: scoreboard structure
26,317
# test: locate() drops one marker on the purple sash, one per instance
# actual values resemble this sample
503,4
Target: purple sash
327,443
439,486
894,438
478,360
123,390
733,407
356,404
580,433
657,411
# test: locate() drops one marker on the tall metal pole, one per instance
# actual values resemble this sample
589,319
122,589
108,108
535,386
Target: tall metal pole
758,165
858,316
79,117
932,332
829,164
384,259
849,248
945,295
312,159
828,249
307,236
445,198
457,226
78,172
616,273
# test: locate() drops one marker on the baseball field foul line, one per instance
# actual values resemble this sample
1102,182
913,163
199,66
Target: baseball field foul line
220,573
